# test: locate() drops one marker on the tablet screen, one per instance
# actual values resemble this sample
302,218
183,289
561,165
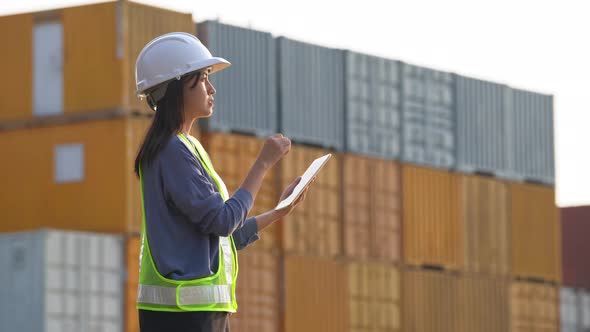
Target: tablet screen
306,178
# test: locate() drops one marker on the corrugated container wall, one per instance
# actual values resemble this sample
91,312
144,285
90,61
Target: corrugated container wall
132,248
372,106
534,307
371,197
246,97
232,157
84,56
314,227
536,236
483,304
570,310
61,281
575,225
257,292
316,295
428,117
432,228
429,301
311,93
482,135
531,121
375,297
484,207
67,179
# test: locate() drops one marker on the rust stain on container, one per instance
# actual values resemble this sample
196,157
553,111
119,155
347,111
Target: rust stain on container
433,233
232,157
371,203
105,198
16,94
313,227
483,304
534,307
257,292
536,234
429,301
575,224
133,247
375,297
316,296
484,205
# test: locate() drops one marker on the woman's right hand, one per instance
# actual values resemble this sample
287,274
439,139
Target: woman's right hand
274,149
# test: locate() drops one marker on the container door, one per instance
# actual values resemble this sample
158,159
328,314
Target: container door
47,68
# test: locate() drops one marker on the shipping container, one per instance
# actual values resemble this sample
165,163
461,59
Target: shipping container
257,292
246,97
57,281
311,93
484,209
575,225
372,106
575,310
432,229
535,233
531,128
428,117
80,59
371,202
232,157
429,301
534,307
315,226
483,303
375,297
79,177
482,134
316,295
133,249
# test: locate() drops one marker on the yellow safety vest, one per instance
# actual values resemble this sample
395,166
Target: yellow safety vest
213,293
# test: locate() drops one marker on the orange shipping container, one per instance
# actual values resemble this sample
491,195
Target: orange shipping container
429,301
313,227
133,247
316,296
483,304
232,157
536,232
375,297
95,66
257,292
534,307
484,208
433,233
371,202
76,176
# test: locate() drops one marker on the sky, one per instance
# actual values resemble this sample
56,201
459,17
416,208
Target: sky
535,45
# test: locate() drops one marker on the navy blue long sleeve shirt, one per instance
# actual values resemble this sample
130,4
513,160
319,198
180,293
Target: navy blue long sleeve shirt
186,215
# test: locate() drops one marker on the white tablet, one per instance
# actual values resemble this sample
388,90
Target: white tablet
306,178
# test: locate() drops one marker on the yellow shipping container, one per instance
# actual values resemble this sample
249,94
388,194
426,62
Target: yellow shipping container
133,247
100,44
76,176
313,227
433,233
375,297
316,295
536,232
232,157
534,307
429,301
484,208
483,304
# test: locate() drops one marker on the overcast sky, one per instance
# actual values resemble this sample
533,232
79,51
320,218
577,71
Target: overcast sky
535,45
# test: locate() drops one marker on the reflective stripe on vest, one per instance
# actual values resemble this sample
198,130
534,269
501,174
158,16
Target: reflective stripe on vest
213,293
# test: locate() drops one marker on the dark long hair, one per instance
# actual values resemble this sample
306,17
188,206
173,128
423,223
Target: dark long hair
167,121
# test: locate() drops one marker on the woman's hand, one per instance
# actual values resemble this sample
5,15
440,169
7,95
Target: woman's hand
274,149
288,191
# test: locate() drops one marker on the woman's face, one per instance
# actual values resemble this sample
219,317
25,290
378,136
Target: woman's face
198,96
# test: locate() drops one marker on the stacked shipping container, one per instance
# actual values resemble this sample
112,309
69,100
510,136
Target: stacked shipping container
338,262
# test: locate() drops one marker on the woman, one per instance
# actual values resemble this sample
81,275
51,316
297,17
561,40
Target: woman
191,227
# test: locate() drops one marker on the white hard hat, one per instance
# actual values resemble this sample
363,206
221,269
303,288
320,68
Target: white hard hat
171,56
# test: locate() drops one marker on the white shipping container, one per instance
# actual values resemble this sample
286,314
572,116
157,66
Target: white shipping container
57,281
575,310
